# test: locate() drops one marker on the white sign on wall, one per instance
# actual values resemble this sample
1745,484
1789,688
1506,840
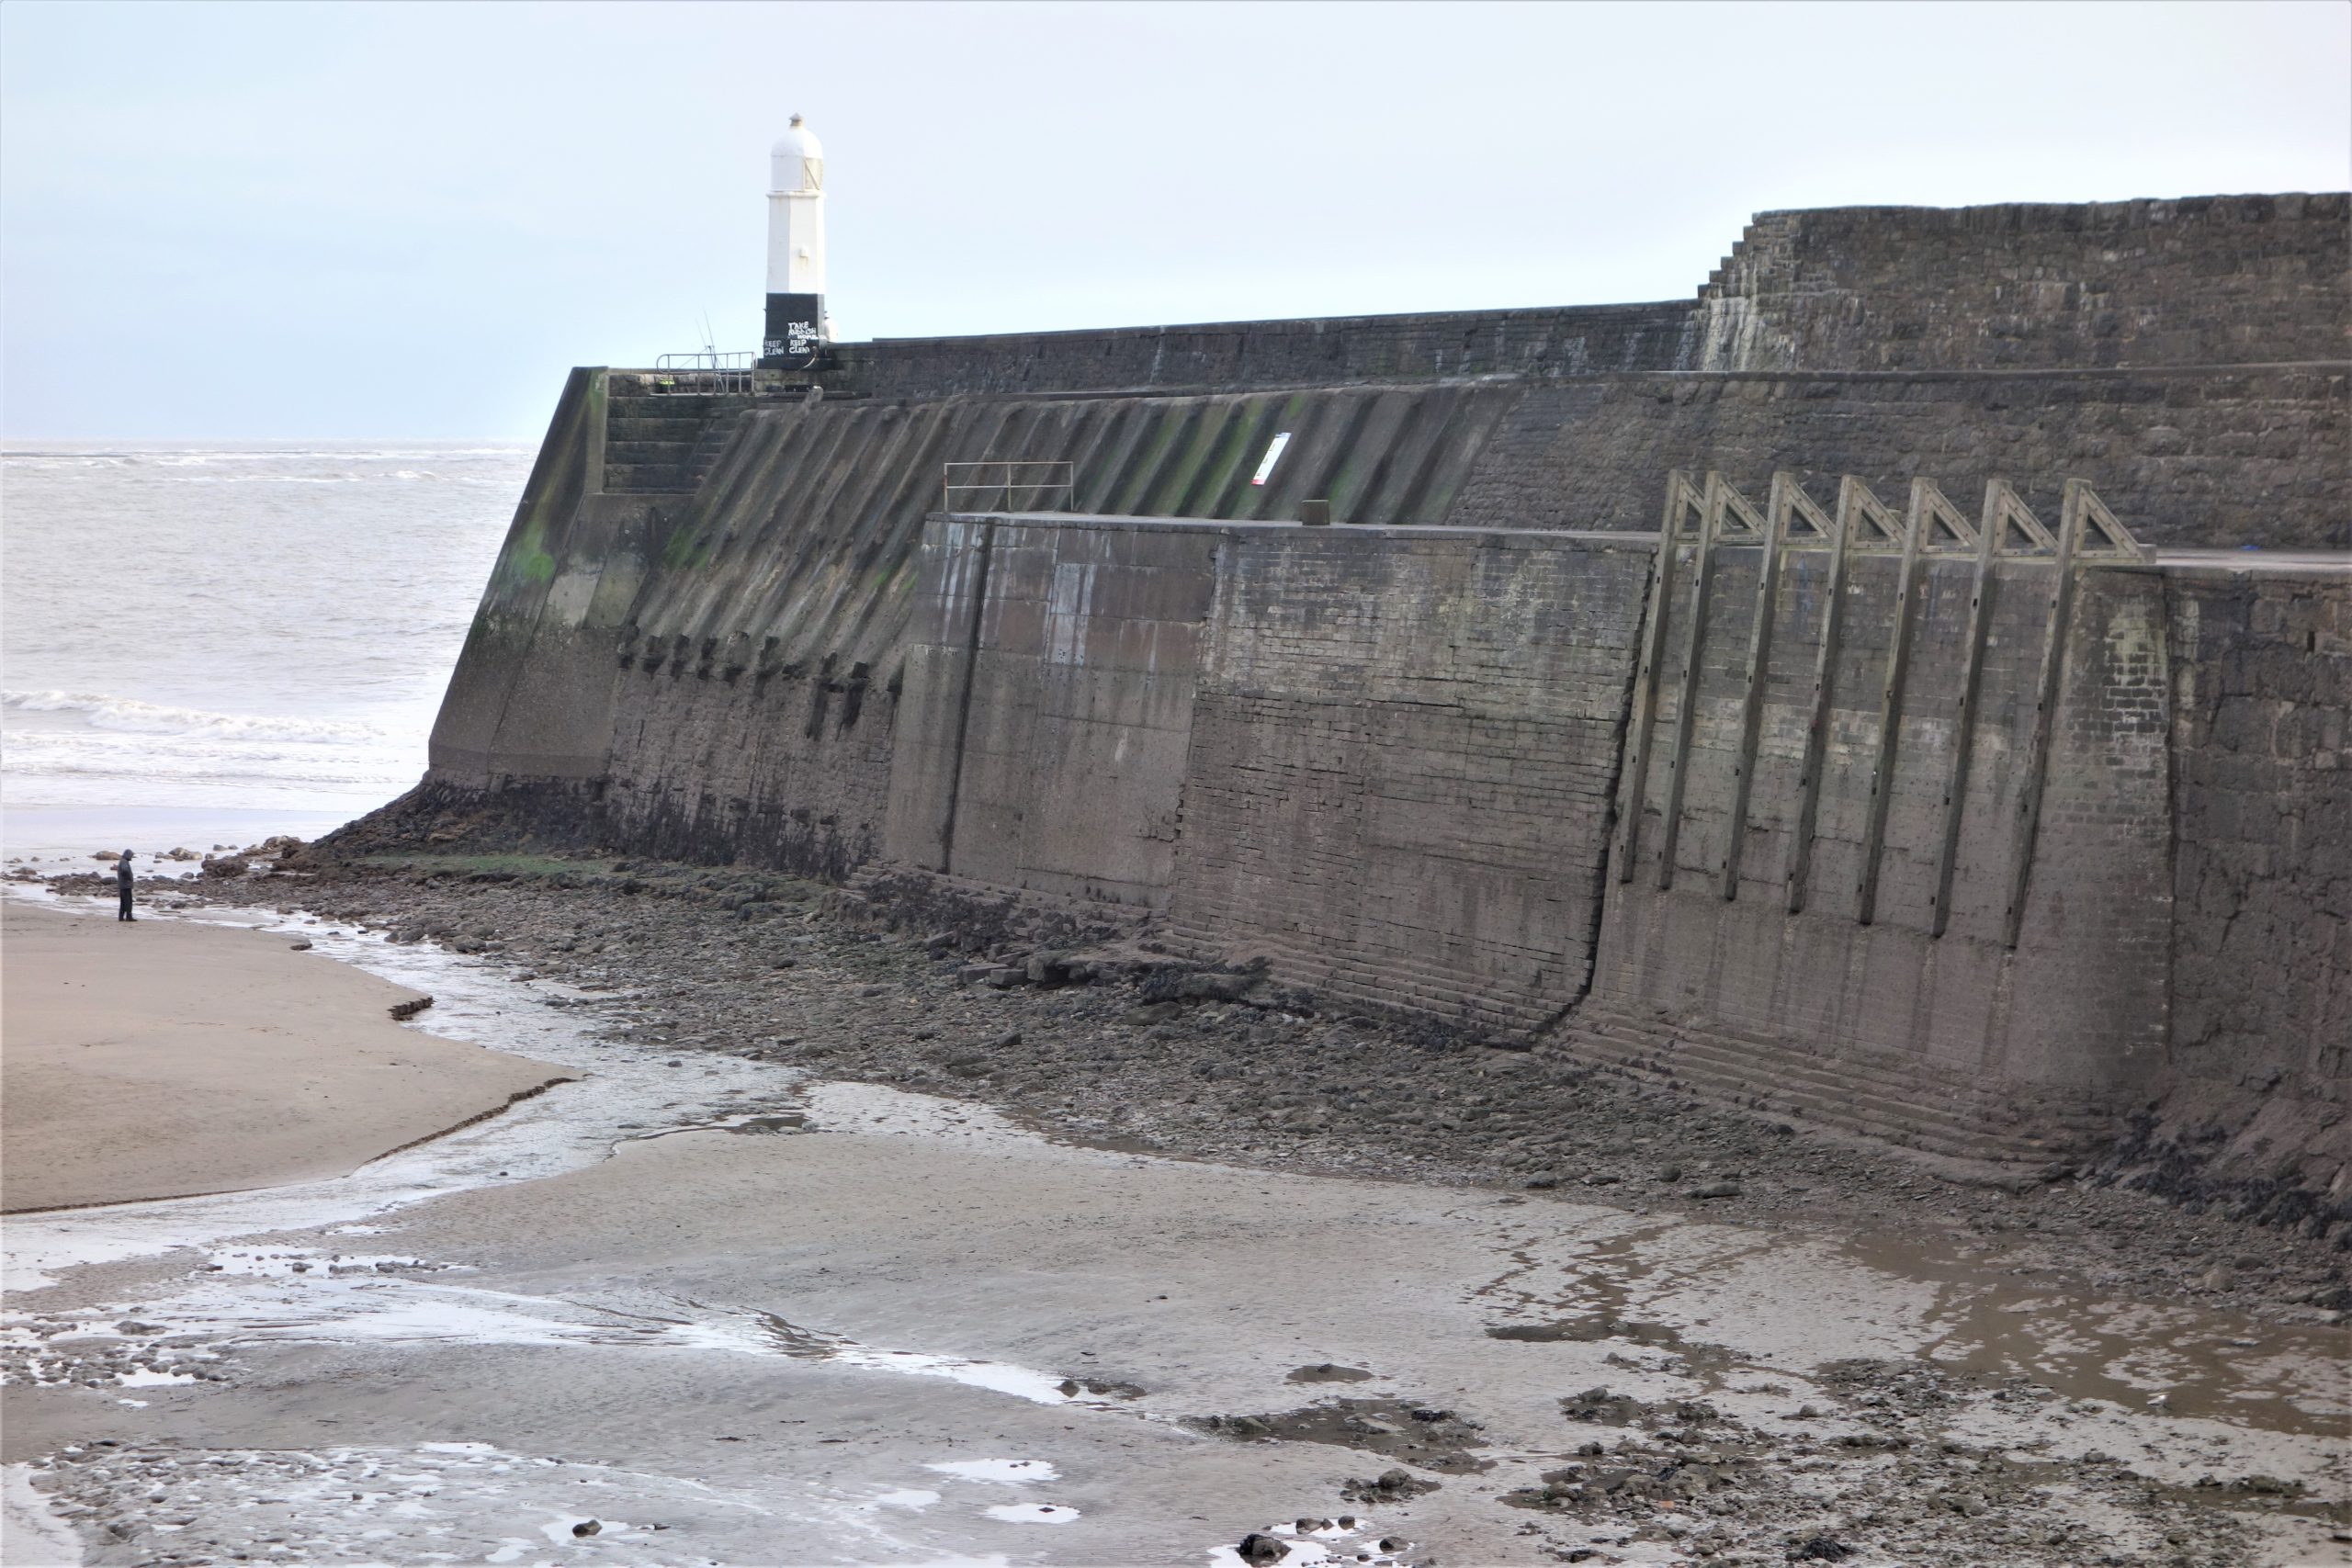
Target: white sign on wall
1273,454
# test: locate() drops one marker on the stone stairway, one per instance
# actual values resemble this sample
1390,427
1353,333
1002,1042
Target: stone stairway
1959,1121
658,444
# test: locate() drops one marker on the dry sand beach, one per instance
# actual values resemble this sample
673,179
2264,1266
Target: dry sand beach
167,1058
806,1268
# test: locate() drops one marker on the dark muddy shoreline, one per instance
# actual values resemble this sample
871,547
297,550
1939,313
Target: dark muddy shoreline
1114,1042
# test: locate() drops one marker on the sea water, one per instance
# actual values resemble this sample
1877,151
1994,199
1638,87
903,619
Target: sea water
207,645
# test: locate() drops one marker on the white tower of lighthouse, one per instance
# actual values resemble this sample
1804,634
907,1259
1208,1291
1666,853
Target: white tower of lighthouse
795,313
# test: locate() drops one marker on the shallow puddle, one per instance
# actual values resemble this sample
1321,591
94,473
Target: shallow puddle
2183,1360
1691,1289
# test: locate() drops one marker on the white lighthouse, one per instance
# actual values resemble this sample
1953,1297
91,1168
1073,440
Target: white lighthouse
795,313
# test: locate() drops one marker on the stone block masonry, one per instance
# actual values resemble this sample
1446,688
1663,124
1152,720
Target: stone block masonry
1225,355
1901,959
1384,761
1051,756
2261,940
2205,281
716,673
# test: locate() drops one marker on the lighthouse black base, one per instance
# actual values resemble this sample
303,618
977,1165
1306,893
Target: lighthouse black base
795,331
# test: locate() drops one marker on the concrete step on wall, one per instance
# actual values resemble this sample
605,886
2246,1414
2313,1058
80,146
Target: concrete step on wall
1819,1113
1426,986
1775,1089
1953,1122
671,452
1906,1110
666,443
653,427
1888,1120
644,479
669,405
1749,254
710,442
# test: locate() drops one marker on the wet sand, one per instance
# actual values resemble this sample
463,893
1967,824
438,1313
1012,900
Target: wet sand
165,1059
888,1327
724,1307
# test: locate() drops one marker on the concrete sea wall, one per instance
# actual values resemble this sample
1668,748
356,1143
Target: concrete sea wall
1379,758
1927,850
1576,340
1385,762
717,671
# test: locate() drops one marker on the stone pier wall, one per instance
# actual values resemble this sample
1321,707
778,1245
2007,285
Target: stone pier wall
1403,755
1383,758
2203,280
2256,458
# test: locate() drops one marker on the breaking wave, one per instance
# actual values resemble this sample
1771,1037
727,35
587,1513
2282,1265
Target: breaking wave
255,625
103,711
296,466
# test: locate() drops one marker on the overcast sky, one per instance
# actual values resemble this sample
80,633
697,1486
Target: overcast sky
354,220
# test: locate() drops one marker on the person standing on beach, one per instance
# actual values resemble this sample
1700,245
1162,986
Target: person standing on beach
123,885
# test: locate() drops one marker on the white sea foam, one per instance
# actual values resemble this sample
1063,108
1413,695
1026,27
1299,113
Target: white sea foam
275,478
102,711
30,457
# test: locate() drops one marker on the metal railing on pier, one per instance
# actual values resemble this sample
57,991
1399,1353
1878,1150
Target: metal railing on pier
706,359
702,372
998,485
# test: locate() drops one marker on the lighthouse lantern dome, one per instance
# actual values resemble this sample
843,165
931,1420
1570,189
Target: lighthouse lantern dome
797,161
